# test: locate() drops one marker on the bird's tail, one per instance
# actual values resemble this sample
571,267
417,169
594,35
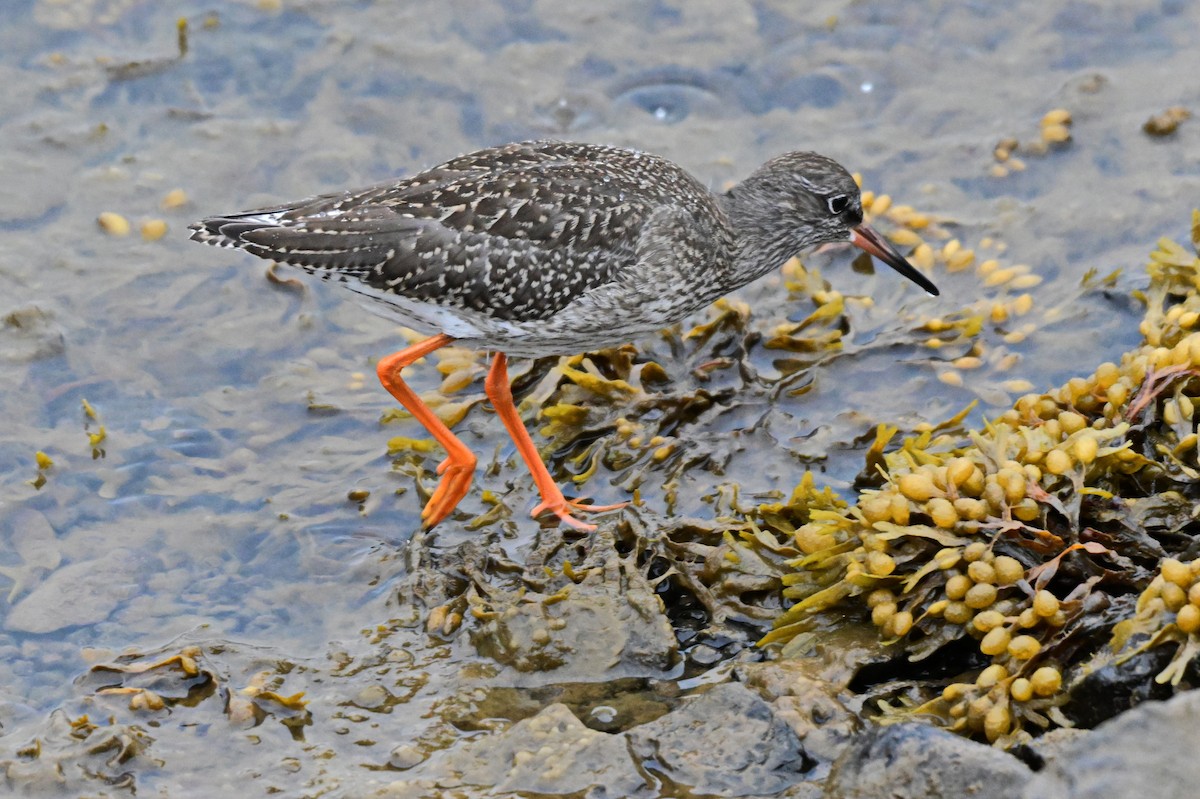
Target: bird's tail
230,230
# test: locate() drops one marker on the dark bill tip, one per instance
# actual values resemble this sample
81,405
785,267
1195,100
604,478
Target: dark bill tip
867,239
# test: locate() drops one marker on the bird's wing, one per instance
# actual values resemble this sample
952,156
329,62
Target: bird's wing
516,239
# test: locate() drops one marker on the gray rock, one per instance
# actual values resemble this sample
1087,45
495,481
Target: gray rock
610,625
1050,745
916,761
1147,751
552,753
811,705
726,741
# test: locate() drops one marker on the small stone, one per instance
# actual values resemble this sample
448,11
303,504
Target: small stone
405,756
704,655
372,697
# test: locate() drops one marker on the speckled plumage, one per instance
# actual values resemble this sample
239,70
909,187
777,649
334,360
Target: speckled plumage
546,247
549,247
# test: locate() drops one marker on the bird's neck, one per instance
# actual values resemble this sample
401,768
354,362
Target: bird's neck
757,253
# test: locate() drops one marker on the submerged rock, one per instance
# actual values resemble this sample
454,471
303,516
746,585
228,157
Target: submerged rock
611,624
1148,751
916,761
727,741
30,333
76,594
552,753
69,757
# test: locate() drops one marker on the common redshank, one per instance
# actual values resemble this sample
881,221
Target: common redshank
549,248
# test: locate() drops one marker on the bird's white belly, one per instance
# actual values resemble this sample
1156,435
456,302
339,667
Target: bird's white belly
579,327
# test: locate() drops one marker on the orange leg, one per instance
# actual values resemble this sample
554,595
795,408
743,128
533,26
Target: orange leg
500,393
459,466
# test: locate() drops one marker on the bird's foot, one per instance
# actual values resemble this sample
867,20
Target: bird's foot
561,507
456,474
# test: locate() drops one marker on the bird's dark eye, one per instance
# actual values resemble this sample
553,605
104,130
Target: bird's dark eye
838,203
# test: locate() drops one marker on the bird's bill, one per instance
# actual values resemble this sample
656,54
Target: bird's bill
867,239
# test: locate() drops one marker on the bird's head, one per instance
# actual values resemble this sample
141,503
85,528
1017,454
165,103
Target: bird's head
800,200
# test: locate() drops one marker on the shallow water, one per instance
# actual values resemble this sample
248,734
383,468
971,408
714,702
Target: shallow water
215,510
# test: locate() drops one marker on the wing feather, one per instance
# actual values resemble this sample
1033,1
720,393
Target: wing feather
514,232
